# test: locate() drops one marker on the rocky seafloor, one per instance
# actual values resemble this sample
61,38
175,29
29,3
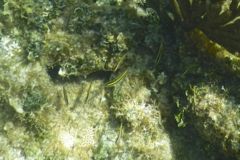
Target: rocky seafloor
115,80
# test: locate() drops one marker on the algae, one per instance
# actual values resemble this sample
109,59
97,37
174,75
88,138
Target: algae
111,79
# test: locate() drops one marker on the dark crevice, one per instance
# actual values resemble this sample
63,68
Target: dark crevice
56,78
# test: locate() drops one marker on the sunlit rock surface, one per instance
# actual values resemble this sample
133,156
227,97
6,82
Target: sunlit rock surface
90,80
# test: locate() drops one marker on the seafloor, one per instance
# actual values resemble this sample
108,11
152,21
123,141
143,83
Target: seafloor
115,80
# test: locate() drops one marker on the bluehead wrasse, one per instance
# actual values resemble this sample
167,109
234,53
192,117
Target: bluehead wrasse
97,93
171,16
88,92
77,100
178,9
65,96
191,2
120,133
231,22
117,79
58,101
120,62
160,53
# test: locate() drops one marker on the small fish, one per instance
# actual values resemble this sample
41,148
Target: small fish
178,9
160,53
120,62
77,100
120,133
116,79
65,96
88,92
